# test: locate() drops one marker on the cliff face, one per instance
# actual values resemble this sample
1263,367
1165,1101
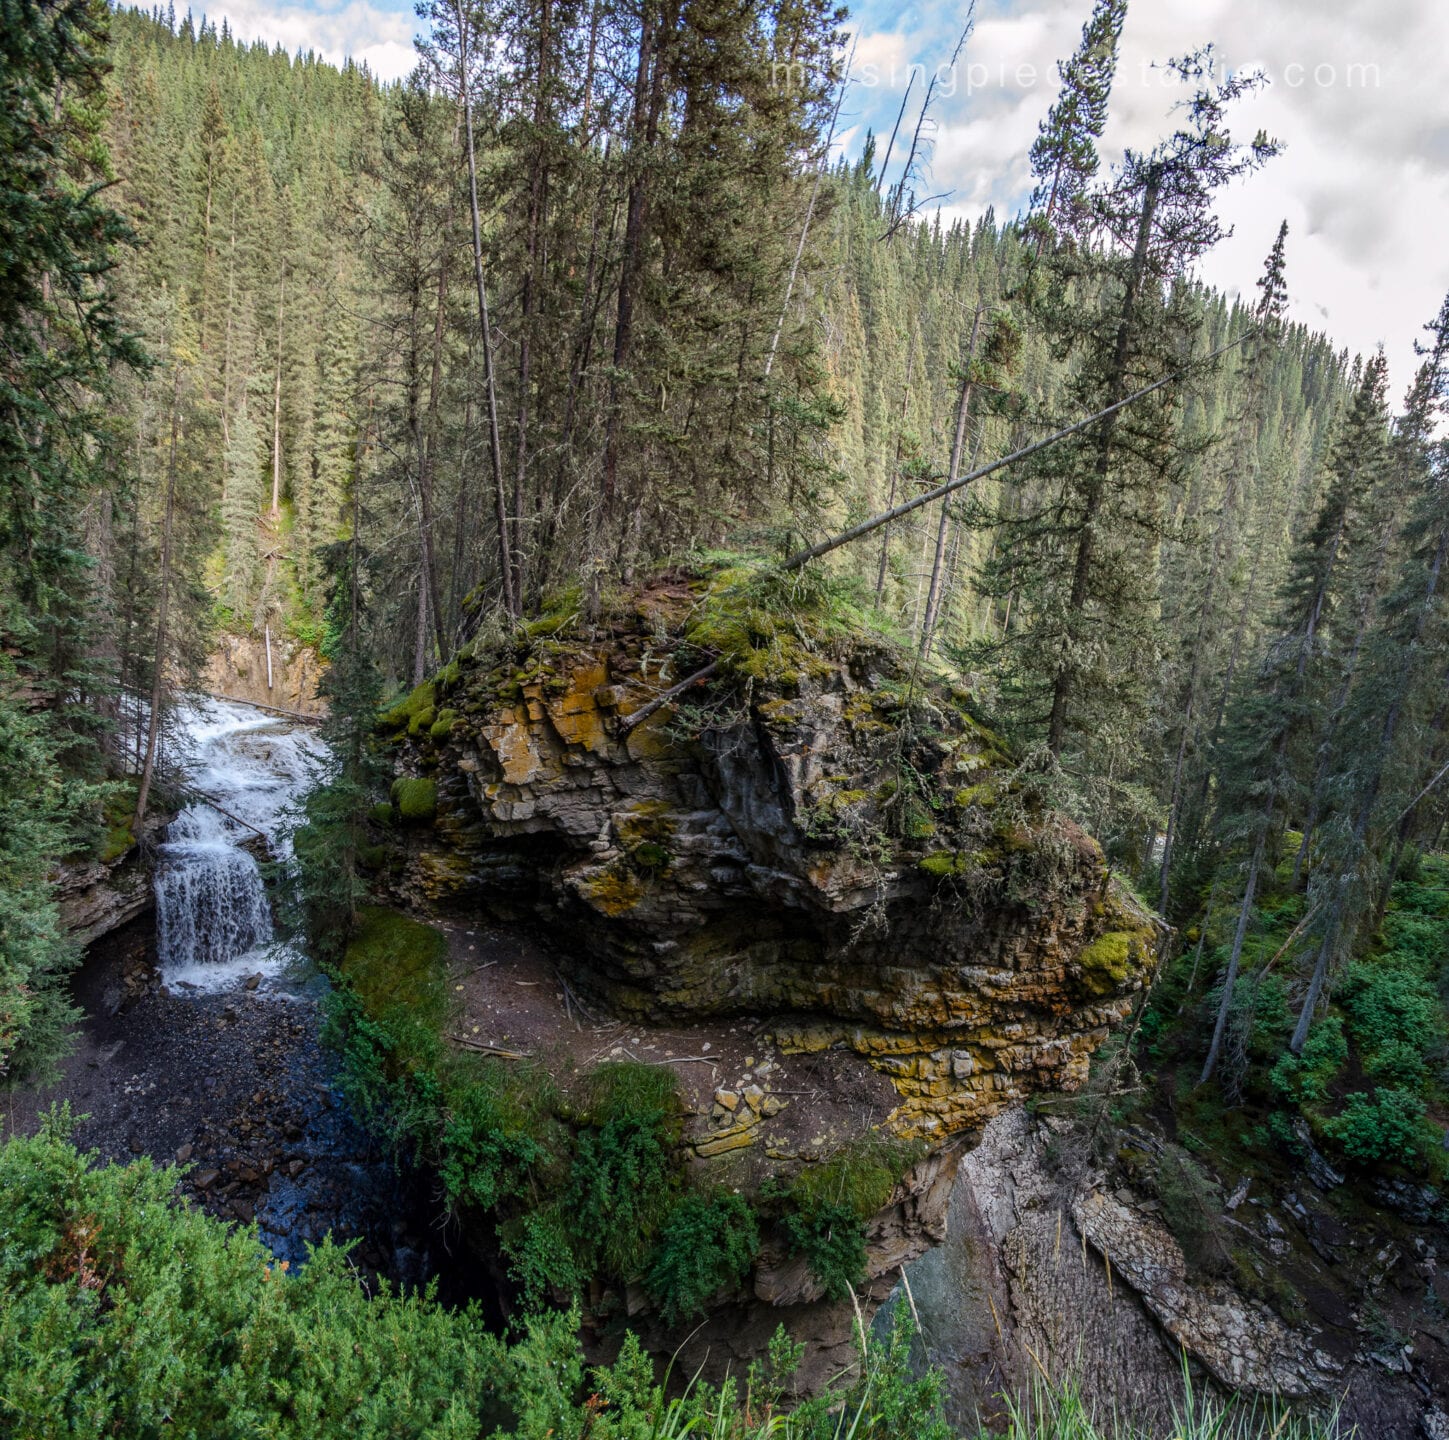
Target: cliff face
238,668
812,835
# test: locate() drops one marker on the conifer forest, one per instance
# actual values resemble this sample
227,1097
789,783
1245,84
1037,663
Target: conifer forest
644,547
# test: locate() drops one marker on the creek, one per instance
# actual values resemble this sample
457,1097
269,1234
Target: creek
200,1042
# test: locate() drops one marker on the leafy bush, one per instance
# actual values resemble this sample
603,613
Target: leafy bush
620,1188
122,1313
1305,1078
829,1236
542,1263
1394,1016
1388,1125
827,1205
486,1145
708,1241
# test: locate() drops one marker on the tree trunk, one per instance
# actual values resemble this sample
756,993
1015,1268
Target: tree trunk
163,609
885,539
277,403
958,444
485,328
537,199
644,136
1230,979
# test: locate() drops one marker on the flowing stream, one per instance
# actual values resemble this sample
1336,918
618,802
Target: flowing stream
213,915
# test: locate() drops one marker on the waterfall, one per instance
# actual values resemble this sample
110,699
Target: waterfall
214,920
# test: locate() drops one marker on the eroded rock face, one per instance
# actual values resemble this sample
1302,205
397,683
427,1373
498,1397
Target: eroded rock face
835,846
1054,1268
238,668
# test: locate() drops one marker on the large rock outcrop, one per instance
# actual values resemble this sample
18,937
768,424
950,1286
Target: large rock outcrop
241,667
814,834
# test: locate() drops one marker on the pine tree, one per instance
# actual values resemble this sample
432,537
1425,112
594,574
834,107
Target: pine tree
1260,774
1080,564
1064,157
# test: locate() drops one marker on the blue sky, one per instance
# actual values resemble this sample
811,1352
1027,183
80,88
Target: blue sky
1359,96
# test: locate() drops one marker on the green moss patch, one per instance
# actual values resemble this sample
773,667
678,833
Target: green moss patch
1108,961
394,960
416,800
407,713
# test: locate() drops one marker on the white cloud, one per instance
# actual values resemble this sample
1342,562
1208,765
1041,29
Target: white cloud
1360,97
365,32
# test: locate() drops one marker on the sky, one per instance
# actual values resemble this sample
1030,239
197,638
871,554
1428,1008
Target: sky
1358,94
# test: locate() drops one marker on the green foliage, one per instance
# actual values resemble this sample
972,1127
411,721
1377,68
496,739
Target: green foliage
41,812
1385,1127
416,799
831,1238
408,712
487,1145
542,1258
1192,1207
621,1186
707,1243
1305,1078
1395,1017
122,1312
770,626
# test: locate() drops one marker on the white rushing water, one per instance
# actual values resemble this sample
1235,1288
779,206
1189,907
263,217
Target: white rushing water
214,921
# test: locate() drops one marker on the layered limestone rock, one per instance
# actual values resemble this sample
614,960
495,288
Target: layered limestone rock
814,834
238,667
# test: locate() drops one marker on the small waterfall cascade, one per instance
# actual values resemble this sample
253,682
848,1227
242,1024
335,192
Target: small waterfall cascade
214,920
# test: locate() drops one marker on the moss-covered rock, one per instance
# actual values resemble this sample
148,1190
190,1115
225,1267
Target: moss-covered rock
416,799
405,715
818,829
1110,960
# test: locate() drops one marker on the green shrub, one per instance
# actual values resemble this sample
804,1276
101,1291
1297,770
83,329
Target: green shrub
831,1239
621,1186
1394,1015
1305,1078
827,1205
708,1242
486,1149
123,1313
541,1258
1387,1126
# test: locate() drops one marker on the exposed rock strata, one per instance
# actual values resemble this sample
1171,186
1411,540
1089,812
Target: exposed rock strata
817,838
238,668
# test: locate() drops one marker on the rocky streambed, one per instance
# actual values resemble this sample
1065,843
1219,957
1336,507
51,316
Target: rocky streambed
200,1042
235,1087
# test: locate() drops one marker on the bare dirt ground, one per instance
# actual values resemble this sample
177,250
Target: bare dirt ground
520,996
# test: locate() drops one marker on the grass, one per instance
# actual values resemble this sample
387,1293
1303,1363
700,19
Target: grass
1058,1412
